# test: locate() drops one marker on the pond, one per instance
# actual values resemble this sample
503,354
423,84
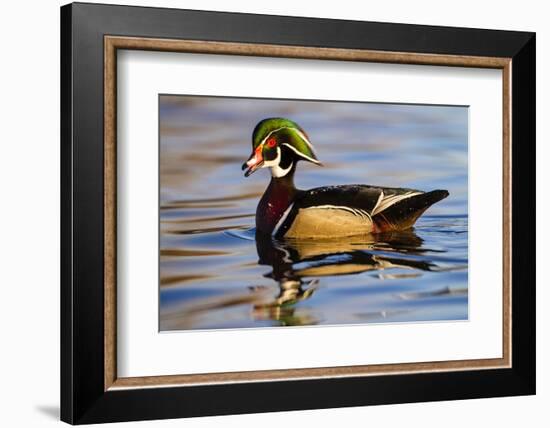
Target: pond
215,273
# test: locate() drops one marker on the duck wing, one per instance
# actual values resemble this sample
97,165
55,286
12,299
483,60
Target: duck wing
354,209
403,213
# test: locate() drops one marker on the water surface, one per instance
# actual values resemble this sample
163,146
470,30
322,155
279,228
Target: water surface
215,274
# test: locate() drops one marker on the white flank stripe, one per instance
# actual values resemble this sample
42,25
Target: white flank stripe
356,212
384,202
380,197
282,219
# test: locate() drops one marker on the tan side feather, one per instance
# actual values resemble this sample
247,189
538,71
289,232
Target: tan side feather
329,221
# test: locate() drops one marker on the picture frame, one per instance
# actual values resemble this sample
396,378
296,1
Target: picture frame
91,35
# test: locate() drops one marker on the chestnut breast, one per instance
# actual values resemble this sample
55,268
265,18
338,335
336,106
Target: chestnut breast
276,199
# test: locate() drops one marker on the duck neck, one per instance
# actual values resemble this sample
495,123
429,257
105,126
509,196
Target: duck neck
284,182
278,196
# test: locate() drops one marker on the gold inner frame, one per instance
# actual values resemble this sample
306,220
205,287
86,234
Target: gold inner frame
113,43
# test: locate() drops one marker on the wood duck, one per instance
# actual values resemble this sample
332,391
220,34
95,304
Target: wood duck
323,212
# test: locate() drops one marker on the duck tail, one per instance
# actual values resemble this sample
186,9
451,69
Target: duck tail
403,214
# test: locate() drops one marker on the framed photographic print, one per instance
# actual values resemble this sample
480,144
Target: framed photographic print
265,213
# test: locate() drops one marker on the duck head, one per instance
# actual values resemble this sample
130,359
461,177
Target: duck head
279,144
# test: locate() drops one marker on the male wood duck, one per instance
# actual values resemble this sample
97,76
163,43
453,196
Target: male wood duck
323,212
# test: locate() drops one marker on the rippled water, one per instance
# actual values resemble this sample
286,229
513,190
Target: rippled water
214,273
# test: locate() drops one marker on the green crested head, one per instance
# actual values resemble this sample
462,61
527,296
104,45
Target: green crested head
279,143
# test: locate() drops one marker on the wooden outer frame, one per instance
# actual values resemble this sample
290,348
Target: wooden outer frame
90,390
114,43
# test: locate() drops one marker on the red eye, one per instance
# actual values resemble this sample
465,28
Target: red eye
271,142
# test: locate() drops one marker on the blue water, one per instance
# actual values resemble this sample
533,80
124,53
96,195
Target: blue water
215,274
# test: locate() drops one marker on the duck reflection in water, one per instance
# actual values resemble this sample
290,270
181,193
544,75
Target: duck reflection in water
298,266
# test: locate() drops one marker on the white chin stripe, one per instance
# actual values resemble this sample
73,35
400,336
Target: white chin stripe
274,162
276,170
